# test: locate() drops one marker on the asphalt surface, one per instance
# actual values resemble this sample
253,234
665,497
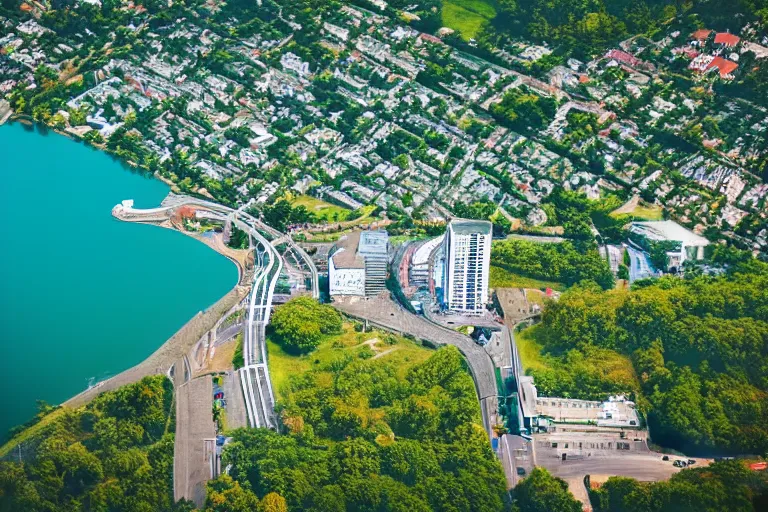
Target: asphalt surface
194,424
233,392
385,313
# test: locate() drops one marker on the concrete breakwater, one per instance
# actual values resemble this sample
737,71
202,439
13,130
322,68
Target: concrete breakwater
179,345
170,352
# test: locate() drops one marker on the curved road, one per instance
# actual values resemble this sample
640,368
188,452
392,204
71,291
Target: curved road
254,376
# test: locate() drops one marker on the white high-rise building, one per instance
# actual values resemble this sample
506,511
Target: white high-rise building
467,247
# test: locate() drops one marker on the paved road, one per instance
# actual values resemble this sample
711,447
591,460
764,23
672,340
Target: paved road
169,353
255,380
254,376
233,391
194,424
385,313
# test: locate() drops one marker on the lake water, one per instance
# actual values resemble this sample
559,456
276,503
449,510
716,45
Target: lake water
82,295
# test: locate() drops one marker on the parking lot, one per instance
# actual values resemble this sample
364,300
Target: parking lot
600,454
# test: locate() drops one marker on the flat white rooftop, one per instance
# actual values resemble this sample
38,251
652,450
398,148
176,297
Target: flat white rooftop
668,230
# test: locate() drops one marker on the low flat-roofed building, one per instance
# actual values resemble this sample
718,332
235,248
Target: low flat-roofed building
357,264
691,244
617,411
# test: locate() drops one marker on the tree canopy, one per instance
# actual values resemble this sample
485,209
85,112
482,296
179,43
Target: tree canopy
365,434
116,453
725,485
300,324
542,492
553,262
699,346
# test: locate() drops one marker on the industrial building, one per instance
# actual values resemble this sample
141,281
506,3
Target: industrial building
691,245
541,413
357,264
467,261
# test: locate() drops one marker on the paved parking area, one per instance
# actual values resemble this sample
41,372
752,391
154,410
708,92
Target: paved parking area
194,424
233,392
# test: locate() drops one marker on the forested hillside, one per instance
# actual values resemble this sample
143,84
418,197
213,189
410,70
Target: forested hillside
367,434
589,26
699,347
116,453
726,485
559,262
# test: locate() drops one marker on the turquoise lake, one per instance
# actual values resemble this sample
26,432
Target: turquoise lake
84,296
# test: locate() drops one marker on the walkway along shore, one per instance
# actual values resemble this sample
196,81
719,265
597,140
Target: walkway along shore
178,345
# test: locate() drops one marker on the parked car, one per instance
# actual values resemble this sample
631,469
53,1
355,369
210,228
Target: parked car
521,471
220,440
679,464
666,457
691,462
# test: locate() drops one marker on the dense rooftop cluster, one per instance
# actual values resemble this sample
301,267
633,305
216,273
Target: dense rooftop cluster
245,102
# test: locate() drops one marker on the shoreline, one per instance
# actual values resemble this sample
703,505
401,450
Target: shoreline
177,346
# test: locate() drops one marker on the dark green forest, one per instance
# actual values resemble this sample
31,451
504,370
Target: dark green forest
698,345
115,454
559,262
590,26
726,485
365,435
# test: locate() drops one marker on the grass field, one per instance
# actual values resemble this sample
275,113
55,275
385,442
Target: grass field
323,210
643,212
530,350
502,278
400,352
467,16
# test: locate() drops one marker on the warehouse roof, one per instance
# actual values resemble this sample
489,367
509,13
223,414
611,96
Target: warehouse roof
668,230
345,252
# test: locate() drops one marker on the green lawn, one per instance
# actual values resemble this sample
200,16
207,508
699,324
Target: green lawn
530,350
502,278
644,211
467,16
401,352
605,364
322,209
651,212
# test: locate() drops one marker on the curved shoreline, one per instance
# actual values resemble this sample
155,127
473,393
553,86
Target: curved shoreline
169,352
178,345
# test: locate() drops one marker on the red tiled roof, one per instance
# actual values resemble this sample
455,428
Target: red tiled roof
726,39
702,34
430,38
622,57
691,54
725,66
